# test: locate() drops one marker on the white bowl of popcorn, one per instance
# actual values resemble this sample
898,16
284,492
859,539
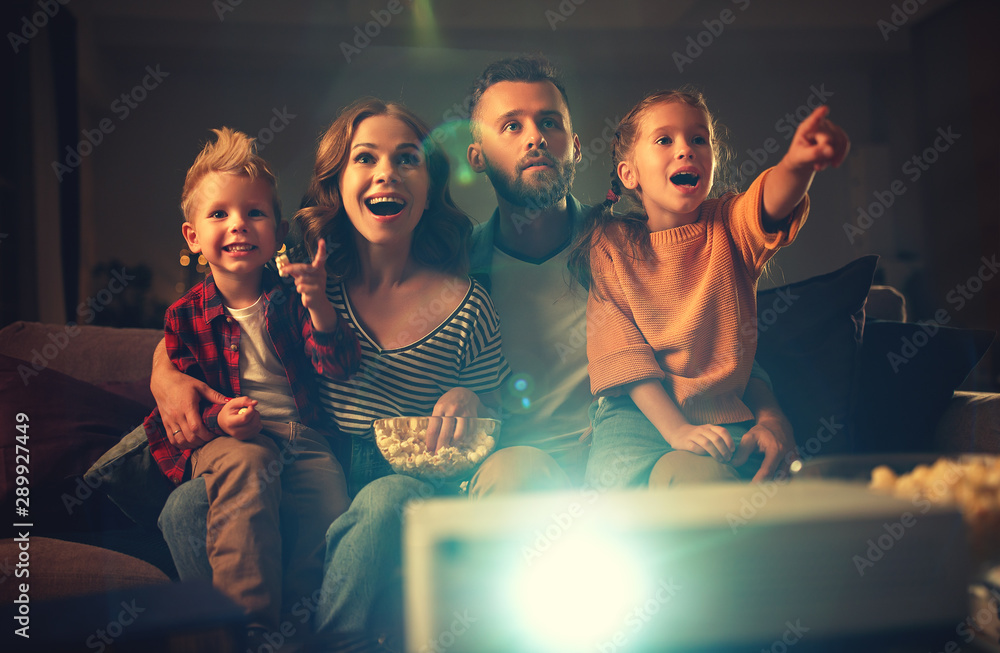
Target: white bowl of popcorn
402,440
971,483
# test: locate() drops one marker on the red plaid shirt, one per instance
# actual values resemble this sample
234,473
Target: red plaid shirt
204,342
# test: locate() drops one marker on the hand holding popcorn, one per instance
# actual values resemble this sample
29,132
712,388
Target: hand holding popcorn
402,440
239,418
310,283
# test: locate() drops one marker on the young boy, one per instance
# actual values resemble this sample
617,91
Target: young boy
247,334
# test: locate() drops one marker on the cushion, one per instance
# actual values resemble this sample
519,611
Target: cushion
809,339
128,474
95,354
70,424
909,372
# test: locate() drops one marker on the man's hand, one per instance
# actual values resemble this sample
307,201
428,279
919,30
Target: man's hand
178,396
772,437
772,434
239,419
450,409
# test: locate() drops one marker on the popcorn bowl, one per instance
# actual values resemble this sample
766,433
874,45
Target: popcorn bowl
402,442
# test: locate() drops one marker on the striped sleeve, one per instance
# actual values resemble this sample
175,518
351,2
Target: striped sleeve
485,367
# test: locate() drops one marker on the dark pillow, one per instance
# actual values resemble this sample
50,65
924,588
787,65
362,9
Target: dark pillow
809,338
70,424
909,372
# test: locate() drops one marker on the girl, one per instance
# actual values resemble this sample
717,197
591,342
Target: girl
671,316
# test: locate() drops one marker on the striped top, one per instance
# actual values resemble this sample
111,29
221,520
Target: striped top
462,351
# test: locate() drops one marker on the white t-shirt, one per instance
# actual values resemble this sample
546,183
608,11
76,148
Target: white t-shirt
543,323
262,376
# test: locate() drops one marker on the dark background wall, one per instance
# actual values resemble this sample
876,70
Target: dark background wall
894,73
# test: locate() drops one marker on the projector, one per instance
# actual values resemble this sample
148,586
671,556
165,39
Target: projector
710,567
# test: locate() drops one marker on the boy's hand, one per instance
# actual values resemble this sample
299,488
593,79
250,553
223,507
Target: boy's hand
703,439
241,426
817,143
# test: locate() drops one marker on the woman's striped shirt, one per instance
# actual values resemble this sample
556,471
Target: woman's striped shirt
462,351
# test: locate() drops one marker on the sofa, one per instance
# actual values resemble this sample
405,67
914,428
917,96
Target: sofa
79,389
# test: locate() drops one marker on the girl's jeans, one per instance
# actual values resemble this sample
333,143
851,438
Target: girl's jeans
627,451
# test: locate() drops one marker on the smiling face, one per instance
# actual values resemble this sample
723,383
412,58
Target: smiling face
385,182
232,223
672,163
525,143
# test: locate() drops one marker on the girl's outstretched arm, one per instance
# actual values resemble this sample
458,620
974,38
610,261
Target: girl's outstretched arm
817,143
659,408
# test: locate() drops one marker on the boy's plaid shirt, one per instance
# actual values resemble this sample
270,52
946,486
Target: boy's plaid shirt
204,342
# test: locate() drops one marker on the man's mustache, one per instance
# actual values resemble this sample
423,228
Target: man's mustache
535,159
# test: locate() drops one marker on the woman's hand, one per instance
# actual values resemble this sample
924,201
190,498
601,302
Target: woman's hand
446,425
178,396
310,283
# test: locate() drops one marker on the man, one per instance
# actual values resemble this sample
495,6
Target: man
523,140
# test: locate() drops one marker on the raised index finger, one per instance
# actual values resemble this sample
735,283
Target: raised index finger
320,259
814,118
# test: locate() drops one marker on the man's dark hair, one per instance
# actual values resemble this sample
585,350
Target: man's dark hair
526,68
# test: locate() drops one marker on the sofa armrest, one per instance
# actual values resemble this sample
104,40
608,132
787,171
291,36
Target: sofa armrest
94,354
970,424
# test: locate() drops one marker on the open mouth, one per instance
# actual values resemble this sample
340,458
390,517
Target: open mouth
385,206
239,247
537,162
689,179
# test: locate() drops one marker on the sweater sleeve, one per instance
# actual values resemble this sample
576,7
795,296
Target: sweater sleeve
617,352
744,214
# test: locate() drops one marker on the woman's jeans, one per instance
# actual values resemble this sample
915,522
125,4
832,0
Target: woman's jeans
363,546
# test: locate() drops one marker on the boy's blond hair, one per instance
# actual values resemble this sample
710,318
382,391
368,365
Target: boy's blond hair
233,152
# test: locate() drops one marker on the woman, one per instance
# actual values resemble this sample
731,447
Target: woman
430,342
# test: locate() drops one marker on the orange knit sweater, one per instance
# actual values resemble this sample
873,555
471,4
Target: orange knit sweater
689,315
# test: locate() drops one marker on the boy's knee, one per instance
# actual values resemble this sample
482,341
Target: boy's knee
249,456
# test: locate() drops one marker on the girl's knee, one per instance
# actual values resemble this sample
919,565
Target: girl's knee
682,467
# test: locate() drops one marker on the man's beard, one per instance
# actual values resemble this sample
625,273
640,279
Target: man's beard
557,182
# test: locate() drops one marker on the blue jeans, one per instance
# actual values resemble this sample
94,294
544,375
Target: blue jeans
361,589
626,449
